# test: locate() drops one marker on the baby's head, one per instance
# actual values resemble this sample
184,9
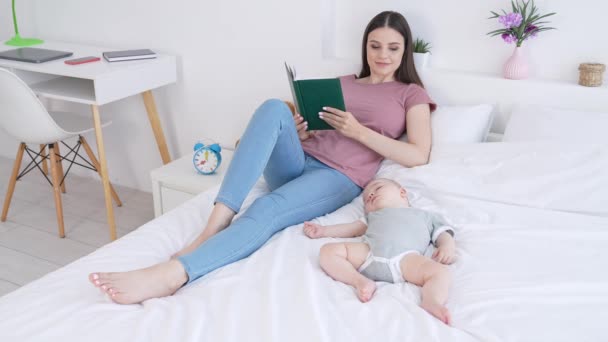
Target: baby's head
384,193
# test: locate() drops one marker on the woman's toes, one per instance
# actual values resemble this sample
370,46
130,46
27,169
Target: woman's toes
107,289
94,279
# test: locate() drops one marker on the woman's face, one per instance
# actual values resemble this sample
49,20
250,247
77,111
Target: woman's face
385,47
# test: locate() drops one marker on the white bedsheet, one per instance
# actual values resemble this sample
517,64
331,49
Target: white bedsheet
532,234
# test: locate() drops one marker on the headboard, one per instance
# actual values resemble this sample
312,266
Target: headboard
467,88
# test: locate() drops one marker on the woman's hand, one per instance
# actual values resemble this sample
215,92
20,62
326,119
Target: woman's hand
313,230
446,251
343,122
301,127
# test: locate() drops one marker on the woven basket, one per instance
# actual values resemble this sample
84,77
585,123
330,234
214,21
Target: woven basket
591,74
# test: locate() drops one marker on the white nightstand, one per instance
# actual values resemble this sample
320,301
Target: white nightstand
178,181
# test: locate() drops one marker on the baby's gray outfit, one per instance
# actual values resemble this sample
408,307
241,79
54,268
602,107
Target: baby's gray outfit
394,232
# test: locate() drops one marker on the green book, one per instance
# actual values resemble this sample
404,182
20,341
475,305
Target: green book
310,96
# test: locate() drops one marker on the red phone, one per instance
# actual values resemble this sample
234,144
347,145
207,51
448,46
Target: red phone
82,60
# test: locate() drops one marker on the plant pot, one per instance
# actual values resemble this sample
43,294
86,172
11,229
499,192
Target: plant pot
421,60
516,67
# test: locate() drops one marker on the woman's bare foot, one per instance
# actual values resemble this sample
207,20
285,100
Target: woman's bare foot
441,312
365,290
132,287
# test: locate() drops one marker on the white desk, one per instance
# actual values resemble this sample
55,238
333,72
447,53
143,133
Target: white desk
96,84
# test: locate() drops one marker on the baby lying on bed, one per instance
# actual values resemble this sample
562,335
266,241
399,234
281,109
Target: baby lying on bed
396,237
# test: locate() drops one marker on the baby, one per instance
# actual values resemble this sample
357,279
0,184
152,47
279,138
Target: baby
395,239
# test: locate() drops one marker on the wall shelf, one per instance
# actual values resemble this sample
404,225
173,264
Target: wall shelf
467,87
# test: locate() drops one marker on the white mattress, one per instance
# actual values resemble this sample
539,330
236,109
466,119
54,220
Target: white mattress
532,229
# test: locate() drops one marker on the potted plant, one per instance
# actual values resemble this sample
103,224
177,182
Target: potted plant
522,23
422,50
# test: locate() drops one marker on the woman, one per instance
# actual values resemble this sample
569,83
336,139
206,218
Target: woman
309,175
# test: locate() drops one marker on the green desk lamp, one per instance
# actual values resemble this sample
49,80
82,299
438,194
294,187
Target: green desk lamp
17,40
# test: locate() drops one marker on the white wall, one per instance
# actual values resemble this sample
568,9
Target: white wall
230,57
457,31
231,53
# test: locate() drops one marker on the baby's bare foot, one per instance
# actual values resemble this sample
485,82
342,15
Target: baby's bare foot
365,290
132,287
440,311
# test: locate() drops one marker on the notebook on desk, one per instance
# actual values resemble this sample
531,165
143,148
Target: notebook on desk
128,55
33,55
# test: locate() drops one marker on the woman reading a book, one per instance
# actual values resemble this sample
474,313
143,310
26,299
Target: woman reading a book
309,173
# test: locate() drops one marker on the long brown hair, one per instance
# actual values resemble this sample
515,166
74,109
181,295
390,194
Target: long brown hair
406,73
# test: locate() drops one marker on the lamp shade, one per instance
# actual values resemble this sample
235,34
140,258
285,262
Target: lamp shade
17,40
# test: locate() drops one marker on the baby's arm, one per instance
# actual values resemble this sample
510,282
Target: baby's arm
446,248
345,230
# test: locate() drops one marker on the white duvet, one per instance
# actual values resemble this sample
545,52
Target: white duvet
532,234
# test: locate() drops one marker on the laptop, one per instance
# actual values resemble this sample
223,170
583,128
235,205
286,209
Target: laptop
33,55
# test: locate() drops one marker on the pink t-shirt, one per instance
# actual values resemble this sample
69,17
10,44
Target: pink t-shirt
381,107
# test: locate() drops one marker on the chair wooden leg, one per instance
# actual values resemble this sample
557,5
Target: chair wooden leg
56,188
60,167
45,167
95,162
12,181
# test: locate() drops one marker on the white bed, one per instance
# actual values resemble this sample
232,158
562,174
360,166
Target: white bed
532,231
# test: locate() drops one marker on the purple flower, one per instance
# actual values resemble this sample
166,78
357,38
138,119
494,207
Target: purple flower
510,20
533,29
509,38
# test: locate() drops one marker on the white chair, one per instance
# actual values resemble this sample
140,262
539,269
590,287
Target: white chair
25,118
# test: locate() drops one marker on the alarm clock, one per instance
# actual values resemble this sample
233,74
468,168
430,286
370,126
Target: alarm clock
207,158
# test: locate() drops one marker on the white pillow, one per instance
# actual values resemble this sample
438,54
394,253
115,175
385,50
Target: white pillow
461,124
535,123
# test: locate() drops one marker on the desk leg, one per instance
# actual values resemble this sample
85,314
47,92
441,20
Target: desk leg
95,163
103,171
156,127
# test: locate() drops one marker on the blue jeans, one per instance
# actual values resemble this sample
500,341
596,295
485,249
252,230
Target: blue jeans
302,188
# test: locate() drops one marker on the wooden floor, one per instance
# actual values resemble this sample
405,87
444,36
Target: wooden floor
29,242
